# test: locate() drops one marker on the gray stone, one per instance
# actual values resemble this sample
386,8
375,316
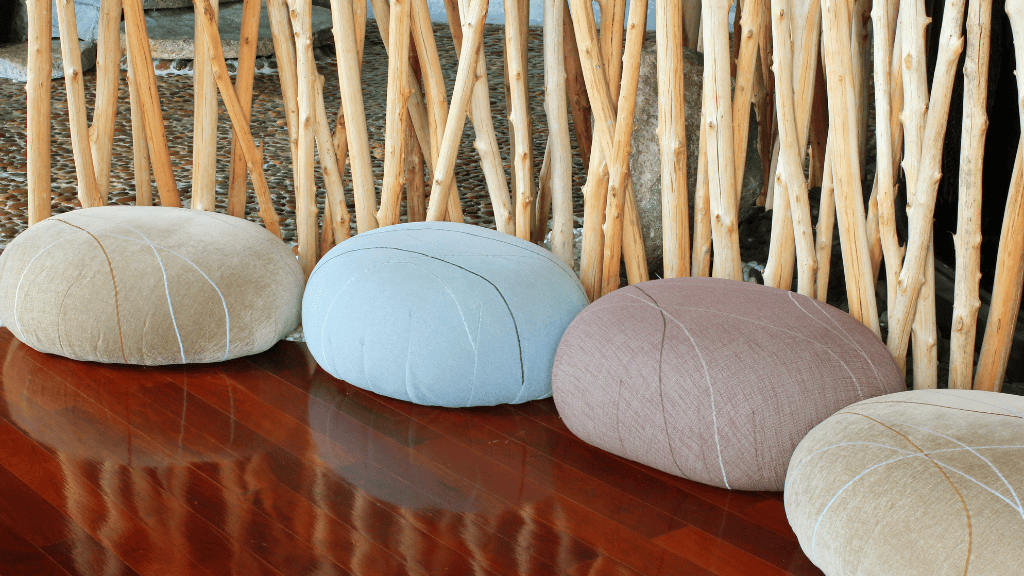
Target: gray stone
87,19
14,59
161,4
645,158
172,31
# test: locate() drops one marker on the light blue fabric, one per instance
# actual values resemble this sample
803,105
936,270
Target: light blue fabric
440,314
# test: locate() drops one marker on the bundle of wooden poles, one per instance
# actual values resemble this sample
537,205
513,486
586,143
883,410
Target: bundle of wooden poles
803,65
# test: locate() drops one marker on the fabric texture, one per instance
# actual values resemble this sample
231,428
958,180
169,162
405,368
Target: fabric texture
921,483
149,285
440,314
713,380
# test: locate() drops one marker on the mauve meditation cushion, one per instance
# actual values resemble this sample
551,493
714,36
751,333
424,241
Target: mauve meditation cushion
149,285
920,483
440,314
713,380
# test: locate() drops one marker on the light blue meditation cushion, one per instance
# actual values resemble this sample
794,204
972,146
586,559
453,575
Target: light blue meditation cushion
440,314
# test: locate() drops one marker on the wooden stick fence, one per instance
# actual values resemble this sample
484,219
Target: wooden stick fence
802,65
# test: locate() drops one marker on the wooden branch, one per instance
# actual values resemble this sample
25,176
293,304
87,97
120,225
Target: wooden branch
718,118
750,32
253,157
140,150
247,38
355,117
465,78
486,143
613,18
576,89
966,298
88,193
108,76
849,196
926,185
204,124
558,158
859,19
543,205
394,128
826,226
1007,284
40,62
338,218
791,174
672,138
594,199
1006,288
519,115
415,194
701,262
284,49
691,21
884,178
138,50
306,213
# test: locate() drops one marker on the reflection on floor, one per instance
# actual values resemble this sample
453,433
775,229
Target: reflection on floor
267,465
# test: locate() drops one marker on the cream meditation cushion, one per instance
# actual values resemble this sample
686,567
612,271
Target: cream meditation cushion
149,285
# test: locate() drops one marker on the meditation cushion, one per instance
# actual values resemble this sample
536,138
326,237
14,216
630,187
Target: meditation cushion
440,314
713,380
921,483
149,285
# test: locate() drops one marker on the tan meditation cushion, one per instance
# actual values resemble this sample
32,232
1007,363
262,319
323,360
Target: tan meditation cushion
922,483
713,380
149,285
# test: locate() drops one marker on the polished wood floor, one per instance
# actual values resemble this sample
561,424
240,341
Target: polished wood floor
267,465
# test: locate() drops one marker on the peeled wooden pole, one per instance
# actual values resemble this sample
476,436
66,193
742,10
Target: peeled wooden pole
672,138
248,36
284,50
791,174
139,52
718,119
415,195
700,265
108,76
40,61
884,180
576,89
140,150
88,193
204,124
306,212
465,78
559,155
691,21
849,197
927,183
486,143
394,128
519,116
1007,284
966,299
336,215
618,167
826,227
253,157
750,31
355,117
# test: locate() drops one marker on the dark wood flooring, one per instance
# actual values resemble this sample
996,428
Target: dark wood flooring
267,465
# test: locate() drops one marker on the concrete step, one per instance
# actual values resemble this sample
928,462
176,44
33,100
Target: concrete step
14,59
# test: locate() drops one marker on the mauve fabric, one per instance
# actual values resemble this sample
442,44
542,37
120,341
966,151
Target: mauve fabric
149,285
920,483
440,314
713,380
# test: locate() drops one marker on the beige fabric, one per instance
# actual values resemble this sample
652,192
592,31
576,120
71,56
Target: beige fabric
922,483
713,380
149,285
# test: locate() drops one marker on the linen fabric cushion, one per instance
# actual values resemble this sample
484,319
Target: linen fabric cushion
921,483
440,314
713,380
149,285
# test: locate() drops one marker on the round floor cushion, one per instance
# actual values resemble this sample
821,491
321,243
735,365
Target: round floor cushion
713,380
921,483
440,314
149,285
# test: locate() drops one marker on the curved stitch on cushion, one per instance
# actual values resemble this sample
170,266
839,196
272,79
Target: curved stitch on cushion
845,336
223,301
1018,507
707,377
515,326
967,511
941,406
113,280
476,357
999,399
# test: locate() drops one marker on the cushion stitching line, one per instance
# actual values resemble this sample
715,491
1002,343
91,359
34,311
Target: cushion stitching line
117,307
